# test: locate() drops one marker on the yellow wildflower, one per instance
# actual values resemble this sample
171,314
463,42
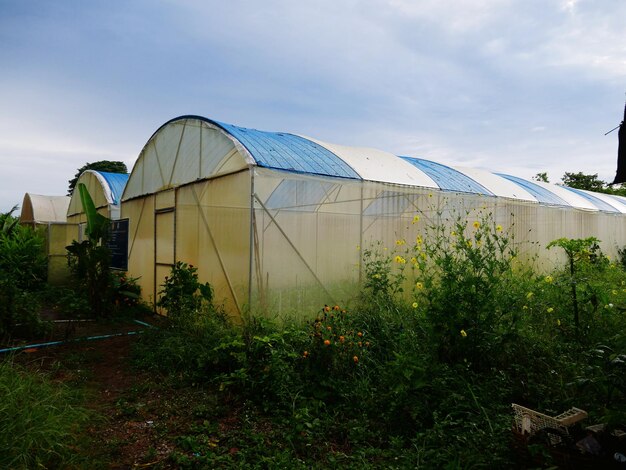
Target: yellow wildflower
463,334
399,259
453,233
525,307
469,243
498,228
614,292
419,240
529,295
558,322
414,260
400,242
550,310
419,285
476,224
548,279
414,304
416,219
423,255
430,195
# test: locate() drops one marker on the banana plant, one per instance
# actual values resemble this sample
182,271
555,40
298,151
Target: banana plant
97,224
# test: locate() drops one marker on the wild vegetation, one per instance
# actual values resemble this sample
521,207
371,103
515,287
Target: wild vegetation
419,371
429,381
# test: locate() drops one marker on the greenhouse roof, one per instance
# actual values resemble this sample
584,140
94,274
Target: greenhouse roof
190,148
542,194
448,178
596,201
42,209
115,183
289,152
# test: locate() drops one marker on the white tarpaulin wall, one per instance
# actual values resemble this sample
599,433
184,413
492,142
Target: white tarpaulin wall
277,222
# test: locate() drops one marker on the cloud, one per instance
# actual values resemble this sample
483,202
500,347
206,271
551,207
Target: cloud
512,86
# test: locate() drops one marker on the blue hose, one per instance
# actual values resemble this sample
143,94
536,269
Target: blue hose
55,343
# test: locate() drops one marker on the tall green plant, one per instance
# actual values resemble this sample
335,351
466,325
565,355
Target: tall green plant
90,259
578,251
467,287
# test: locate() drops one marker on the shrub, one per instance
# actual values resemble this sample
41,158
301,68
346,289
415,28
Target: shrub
467,288
182,294
23,267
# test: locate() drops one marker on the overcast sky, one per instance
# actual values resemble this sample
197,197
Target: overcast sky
510,86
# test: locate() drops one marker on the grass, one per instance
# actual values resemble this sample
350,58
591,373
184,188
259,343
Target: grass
41,421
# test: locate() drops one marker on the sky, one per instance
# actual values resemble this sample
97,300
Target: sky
514,86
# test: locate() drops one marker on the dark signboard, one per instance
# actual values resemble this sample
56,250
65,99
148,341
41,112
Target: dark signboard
118,244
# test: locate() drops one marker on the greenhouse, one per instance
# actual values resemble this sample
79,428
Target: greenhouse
278,222
42,210
104,188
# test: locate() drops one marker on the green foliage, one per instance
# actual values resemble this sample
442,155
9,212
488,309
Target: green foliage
23,269
39,421
90,265
467,288
581,253
126,292
543,177
182,294
97,224
582,181
103,165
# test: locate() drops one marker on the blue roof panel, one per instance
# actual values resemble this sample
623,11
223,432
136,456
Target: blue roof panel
540,193
117,183
596,201
290,152
448,178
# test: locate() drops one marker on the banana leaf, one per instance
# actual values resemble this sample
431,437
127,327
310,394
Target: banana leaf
97,224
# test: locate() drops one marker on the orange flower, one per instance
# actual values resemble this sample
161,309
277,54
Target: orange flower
326,308
341,339
326,342
305,354
336,307
359,334
329,328
355,359
360,344
367,344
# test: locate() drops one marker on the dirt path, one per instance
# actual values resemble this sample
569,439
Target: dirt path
130,433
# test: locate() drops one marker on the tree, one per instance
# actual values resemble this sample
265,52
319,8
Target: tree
582,181
543,177
103,165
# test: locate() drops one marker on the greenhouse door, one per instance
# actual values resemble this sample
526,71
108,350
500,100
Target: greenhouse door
164,236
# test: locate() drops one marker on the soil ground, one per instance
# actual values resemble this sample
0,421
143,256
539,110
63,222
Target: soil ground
135,417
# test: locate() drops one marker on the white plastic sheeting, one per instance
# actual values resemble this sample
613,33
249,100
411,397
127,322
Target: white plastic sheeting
377,165
499,186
